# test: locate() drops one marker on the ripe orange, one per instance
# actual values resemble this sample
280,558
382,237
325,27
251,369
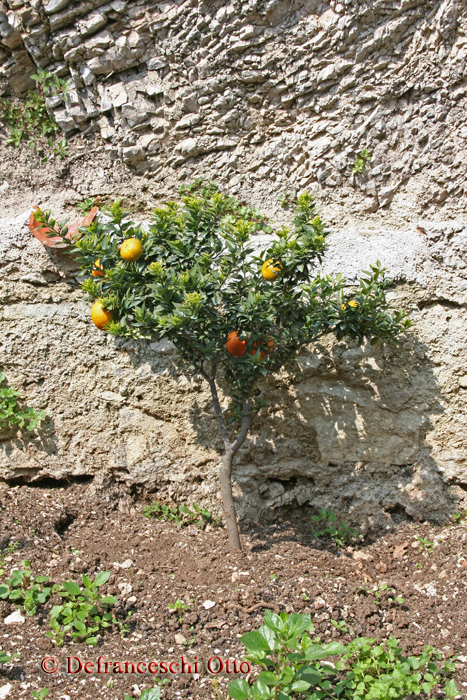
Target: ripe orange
268,347
99,270
100,315
131,250
270,271
234,345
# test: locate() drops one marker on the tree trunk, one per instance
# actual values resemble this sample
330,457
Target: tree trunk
225,477
225,472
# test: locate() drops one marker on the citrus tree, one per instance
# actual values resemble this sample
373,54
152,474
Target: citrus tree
234,311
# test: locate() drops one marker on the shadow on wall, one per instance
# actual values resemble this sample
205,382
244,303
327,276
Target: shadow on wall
346,429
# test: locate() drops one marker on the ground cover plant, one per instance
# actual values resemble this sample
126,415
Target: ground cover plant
324,524
294,665
181,515
235,313
227,591
83,611
30,121
13,413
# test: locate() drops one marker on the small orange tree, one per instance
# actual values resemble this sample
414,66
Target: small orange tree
197,278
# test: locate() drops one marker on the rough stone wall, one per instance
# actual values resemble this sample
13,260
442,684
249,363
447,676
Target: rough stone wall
374,432
262,96
279,93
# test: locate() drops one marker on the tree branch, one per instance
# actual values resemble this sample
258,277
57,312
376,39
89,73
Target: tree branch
217,409
246,423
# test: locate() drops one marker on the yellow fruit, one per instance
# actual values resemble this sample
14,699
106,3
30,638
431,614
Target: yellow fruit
353,304
99,270
100,315
131,250
343,306
270,271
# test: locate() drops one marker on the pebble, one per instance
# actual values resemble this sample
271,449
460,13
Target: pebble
5,690
208,604
14,618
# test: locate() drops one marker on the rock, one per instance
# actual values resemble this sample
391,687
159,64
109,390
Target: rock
125,588
55,6
5,691
179,638
359,555
14,619
399,551
208,604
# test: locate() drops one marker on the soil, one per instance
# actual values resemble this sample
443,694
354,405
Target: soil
65,531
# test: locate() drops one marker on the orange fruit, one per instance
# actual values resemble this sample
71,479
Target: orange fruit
270,271
100,315
131,250
98,270
268,347
234,345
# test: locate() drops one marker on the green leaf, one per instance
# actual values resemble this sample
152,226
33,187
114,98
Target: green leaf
72,588
109,600
451,689
151,693
255,641
239,689
101,578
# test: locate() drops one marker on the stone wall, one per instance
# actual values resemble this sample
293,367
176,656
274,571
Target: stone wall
374,432
261,96
272,92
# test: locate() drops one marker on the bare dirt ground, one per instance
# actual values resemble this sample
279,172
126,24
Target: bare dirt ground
70,530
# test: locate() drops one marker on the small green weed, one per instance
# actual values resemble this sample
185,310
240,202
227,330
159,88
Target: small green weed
40,694
379,592
11,413
362,159
288,199
148,694
424,545
83,611
181,515
5,658
459,517
25,589
90,202
341,534
29,120
295,666
8,551
179,606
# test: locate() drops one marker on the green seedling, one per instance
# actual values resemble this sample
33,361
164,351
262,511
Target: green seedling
459,517
362,159
288,199
384,588
273,576
339,626
11,411
83,611
40,694
179,606
25,589
7,552
86,206
293,665
148,694
424,545
341,534
5,658
181,515
29,120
